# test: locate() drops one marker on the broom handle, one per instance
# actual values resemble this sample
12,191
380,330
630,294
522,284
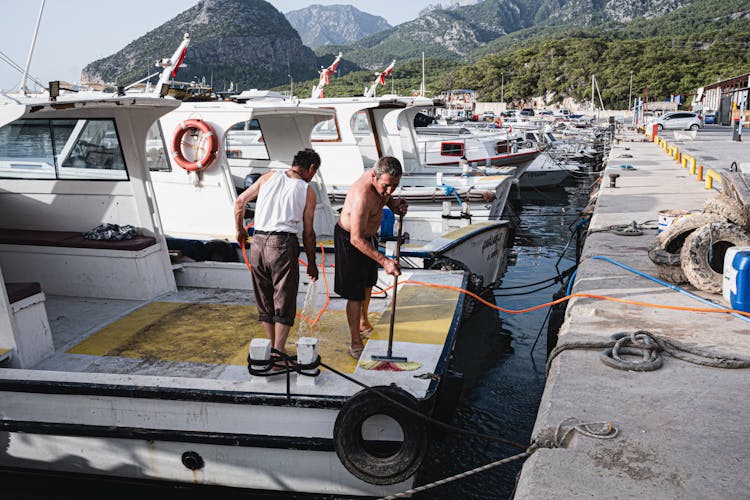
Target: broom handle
395,285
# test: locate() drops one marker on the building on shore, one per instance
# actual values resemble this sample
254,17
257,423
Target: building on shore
720,98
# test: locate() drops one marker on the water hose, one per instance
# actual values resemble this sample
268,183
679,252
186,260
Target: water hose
668,285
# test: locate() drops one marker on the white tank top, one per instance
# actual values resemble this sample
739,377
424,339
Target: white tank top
280,204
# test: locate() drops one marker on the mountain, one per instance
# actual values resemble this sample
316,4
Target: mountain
320,25
457,31
669,47
247,42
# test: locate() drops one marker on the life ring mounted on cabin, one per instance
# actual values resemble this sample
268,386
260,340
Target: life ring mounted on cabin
194,145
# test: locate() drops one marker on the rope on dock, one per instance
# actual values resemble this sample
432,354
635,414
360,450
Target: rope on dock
596,430
649,347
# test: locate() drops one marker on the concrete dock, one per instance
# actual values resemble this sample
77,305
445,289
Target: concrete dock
683,429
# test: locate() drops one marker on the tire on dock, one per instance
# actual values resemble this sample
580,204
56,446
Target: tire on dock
703,253
664,251
729,208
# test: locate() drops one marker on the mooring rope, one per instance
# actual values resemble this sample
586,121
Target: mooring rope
595,430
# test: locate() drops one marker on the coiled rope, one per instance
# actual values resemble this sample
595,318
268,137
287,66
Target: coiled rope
649,347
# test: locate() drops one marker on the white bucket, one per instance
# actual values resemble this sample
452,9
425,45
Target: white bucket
669,217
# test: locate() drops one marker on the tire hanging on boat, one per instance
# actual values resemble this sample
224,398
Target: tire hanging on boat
664,251
205,147
364,459
704,250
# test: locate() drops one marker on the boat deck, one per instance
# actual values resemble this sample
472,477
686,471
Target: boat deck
204,333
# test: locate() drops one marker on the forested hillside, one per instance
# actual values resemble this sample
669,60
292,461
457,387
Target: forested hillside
673,53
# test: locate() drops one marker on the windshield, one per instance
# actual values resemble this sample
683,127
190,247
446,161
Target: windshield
61,149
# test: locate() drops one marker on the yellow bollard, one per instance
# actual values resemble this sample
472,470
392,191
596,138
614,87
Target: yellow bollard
691,161
712,175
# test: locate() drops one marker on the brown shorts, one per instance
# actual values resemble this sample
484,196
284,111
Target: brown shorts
355,271
275,272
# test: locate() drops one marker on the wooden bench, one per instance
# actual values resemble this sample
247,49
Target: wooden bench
66,263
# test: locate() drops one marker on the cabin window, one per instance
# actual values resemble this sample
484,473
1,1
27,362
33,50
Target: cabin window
156,157
452,149
361,123
244,141
327,131
502,147
61,149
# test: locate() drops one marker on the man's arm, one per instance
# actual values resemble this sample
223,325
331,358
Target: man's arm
358,223
308,234
243,199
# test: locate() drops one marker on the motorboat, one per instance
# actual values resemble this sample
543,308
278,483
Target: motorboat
116,362
257,135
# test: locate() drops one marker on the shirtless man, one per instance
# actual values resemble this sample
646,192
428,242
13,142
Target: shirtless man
357,256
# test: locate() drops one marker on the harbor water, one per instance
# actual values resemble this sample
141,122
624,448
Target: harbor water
502,387
502,400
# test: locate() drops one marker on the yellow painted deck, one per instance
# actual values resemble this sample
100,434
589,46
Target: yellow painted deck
220,333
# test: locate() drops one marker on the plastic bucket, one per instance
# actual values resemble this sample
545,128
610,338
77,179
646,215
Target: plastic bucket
736,284
668,217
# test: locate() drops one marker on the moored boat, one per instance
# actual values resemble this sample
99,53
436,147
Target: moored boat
117,363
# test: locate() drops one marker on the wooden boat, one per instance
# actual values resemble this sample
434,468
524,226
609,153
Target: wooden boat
117,363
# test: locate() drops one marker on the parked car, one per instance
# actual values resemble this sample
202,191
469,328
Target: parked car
488,116
678,120
526,112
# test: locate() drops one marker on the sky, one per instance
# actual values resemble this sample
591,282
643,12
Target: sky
73,33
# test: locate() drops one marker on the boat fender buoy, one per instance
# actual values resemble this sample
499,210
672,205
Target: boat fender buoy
703,253
205,149
371,461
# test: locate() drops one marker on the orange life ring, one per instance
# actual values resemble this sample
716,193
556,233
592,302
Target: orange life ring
205,148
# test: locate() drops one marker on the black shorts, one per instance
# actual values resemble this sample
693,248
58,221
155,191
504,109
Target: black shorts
355,271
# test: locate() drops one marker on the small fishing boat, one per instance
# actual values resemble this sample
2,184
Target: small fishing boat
116,362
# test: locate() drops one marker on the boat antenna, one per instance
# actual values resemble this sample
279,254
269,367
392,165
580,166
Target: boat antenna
423,88
25,76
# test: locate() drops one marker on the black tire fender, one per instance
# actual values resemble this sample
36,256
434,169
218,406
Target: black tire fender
704,250
379,468
665,249
729,208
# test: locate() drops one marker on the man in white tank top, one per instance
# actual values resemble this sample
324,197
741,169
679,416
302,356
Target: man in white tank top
284,201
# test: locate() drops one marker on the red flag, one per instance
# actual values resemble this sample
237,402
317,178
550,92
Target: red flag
179,61
386,73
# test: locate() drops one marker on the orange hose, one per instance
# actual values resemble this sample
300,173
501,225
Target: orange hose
568,297
515,311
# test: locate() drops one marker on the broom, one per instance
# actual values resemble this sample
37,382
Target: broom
389,362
